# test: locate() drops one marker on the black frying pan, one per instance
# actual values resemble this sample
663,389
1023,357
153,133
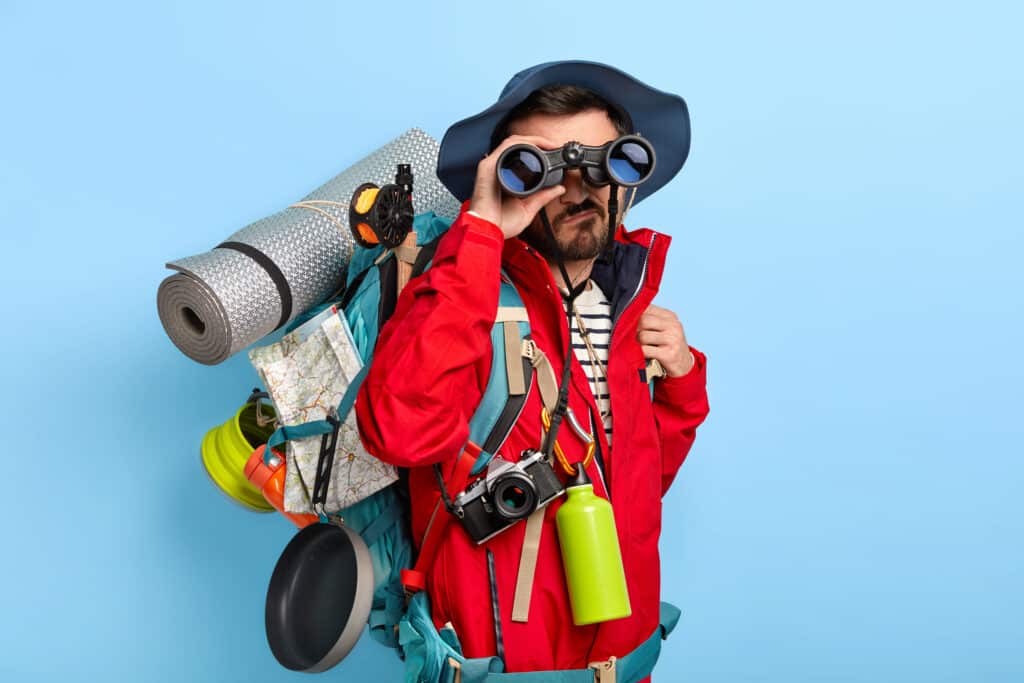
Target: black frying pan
319,597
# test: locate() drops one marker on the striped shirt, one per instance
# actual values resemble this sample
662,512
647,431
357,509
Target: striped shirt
596,314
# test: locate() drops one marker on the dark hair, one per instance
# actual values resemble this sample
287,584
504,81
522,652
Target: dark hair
561,99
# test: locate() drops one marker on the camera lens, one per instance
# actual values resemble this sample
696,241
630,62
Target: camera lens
630,161
514,496
520,170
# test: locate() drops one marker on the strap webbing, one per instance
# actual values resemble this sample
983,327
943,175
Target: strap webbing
527,566
390,515
513,359
425,256
546,379
548,384
284,290
407,253
511,314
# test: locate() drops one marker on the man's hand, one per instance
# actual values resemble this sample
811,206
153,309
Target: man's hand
661,337
511,214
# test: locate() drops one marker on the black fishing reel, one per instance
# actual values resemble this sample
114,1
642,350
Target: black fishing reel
382,215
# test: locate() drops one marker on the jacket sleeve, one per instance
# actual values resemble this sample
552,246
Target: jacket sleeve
680,405
433,356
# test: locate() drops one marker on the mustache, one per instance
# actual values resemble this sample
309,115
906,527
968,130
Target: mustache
585,205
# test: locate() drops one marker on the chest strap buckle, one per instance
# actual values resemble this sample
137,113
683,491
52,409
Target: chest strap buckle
604,672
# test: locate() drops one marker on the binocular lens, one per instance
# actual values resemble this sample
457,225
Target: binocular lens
629,163
521,170
515,497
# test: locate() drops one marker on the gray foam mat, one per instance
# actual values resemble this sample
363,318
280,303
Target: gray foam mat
223,300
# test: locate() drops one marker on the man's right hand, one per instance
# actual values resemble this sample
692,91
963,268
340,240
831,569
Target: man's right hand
511,214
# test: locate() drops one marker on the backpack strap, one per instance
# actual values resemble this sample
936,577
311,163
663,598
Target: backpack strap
425,256
499,408
509,381
630,668
390,516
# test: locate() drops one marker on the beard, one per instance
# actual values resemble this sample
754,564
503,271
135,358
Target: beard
580,241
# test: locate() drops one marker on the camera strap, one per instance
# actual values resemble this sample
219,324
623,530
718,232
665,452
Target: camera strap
563,387
613,217
613,211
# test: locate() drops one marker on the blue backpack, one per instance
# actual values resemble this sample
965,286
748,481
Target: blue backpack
397,618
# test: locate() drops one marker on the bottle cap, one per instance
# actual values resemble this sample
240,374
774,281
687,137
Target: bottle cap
257,471
580,478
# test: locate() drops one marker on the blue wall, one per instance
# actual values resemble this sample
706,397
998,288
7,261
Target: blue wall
847,250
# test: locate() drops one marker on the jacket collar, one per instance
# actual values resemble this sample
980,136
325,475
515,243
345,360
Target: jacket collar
636,260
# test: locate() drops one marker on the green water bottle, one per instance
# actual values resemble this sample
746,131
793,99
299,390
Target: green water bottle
591,555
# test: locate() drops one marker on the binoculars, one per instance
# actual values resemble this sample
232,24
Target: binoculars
524,169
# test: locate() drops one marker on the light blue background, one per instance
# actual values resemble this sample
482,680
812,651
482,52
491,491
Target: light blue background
847,250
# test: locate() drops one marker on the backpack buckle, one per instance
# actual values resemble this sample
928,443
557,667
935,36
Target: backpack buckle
604,672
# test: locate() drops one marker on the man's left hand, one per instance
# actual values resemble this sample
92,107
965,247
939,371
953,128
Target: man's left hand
661,337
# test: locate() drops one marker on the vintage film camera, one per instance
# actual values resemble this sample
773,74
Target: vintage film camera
509,492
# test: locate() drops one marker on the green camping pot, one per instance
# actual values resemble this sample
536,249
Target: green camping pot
226,449
591,555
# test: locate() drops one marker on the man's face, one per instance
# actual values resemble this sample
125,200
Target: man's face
579,218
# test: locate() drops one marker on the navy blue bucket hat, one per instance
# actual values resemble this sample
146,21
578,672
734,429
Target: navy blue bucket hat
660,117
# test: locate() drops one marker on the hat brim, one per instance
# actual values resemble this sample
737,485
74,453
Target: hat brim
660,117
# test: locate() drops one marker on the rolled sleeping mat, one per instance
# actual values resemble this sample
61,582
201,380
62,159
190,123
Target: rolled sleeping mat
271,271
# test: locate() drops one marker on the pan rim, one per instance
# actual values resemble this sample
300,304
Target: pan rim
281,644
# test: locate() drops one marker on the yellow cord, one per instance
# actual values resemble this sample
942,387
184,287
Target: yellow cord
311,204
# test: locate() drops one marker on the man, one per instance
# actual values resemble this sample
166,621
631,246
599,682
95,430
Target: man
433,359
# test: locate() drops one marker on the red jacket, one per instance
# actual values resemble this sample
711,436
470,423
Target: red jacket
430,367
